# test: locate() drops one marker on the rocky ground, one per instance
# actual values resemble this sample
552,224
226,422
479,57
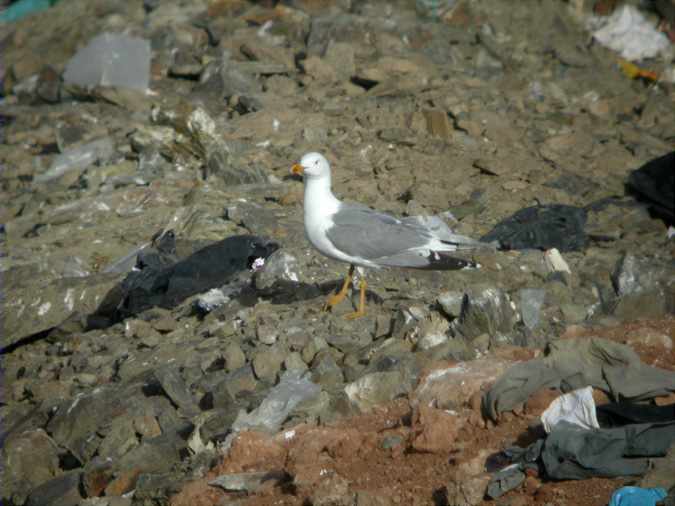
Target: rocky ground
117,392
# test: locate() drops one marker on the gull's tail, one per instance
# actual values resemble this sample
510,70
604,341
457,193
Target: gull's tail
452,242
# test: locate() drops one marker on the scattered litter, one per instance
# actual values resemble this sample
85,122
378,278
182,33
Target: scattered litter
634,72
507,479
23,8
161,279
293,389
531,301
555,261
576,363
577,407
629,33
111,60
78,158
213,299
433,9
636,496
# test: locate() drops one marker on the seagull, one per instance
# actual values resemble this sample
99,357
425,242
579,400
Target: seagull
363,237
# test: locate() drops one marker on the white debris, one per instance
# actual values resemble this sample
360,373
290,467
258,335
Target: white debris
44,308
212,299
69,299
257,264
555,261
629,33
577,407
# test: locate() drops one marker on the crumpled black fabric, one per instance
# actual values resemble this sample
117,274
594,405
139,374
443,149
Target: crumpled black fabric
576,363
161,279
513,475
542,227
655,183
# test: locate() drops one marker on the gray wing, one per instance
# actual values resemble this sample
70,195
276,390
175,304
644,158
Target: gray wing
365,233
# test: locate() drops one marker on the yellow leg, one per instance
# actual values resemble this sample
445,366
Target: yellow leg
361,311
337,297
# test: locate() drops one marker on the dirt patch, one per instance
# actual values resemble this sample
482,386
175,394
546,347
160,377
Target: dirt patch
403,454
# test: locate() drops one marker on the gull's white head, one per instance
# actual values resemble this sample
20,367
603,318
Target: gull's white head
312,165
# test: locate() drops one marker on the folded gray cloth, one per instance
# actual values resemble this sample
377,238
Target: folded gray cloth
575,363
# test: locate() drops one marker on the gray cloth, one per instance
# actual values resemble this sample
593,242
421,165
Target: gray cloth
575,363
505,480
571,452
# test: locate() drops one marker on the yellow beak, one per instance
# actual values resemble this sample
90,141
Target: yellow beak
297,169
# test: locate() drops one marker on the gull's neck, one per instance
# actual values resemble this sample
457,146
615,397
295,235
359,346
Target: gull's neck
319,198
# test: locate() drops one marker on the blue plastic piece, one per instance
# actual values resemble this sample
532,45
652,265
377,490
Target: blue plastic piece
23,8
636,496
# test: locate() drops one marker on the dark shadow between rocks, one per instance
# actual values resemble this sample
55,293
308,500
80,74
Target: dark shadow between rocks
287,292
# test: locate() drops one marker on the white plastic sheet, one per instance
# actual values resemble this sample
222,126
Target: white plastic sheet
630,34
577,407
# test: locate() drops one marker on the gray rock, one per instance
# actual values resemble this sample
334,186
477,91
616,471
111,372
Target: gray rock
377,388
645,288
453,349
217,424
325,371
254,217
240,380
451,302
120,438
35,306
294,362
106,501
635,275
245,482
234,357
432,332
229,170
97,474
175,388
267,328
30,459
310,350
157,488
63,490
349,342
407,320
155,455
486,310
531,301
267,362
